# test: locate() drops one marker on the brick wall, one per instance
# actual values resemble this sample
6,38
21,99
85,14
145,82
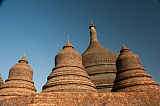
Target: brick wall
86,99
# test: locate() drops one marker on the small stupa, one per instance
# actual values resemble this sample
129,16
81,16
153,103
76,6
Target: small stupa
99,63
19,81
131,76
68,75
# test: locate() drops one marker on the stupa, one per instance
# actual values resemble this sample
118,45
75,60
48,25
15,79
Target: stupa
68,75
19,81
99,63
131,76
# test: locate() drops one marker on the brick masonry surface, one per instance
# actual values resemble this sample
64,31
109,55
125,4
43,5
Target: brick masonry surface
85,99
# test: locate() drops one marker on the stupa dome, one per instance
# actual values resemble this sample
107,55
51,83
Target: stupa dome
68,75
19,81
128,60
99,63
69,56
131,76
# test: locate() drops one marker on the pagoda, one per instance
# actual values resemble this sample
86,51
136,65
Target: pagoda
19,81
68,75
99,63
131,76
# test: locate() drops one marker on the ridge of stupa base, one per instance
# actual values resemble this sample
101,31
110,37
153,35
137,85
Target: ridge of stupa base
9,93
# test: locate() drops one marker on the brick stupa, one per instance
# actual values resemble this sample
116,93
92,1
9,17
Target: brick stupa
99,63
19,81
68,75
131,76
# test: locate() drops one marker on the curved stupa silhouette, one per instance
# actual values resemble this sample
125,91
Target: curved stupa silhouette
131,76
99,63
68,75
19,81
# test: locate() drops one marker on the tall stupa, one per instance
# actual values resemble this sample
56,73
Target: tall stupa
68,75
19,81
131,76
99,63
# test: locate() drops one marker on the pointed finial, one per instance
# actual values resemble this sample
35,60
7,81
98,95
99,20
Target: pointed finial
68,44
68,38
24,54
124,48
23,59
91,22
92,25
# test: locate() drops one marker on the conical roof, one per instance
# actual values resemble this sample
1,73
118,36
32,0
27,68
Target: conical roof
92,25
99,62
23,59
68,75
19,81
131,76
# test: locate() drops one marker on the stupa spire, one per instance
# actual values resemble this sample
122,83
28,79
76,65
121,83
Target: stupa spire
93,33
92,25
68,44
68,38
124,48
23,59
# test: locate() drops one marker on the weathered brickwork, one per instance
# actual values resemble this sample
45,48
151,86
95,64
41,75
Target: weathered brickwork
99,63
131,76
86,99
19,81
68,75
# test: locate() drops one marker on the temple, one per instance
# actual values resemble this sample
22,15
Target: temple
68,75
19,81
99,63
98,77
131,76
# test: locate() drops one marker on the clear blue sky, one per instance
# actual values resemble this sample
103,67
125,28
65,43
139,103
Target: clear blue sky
39,28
